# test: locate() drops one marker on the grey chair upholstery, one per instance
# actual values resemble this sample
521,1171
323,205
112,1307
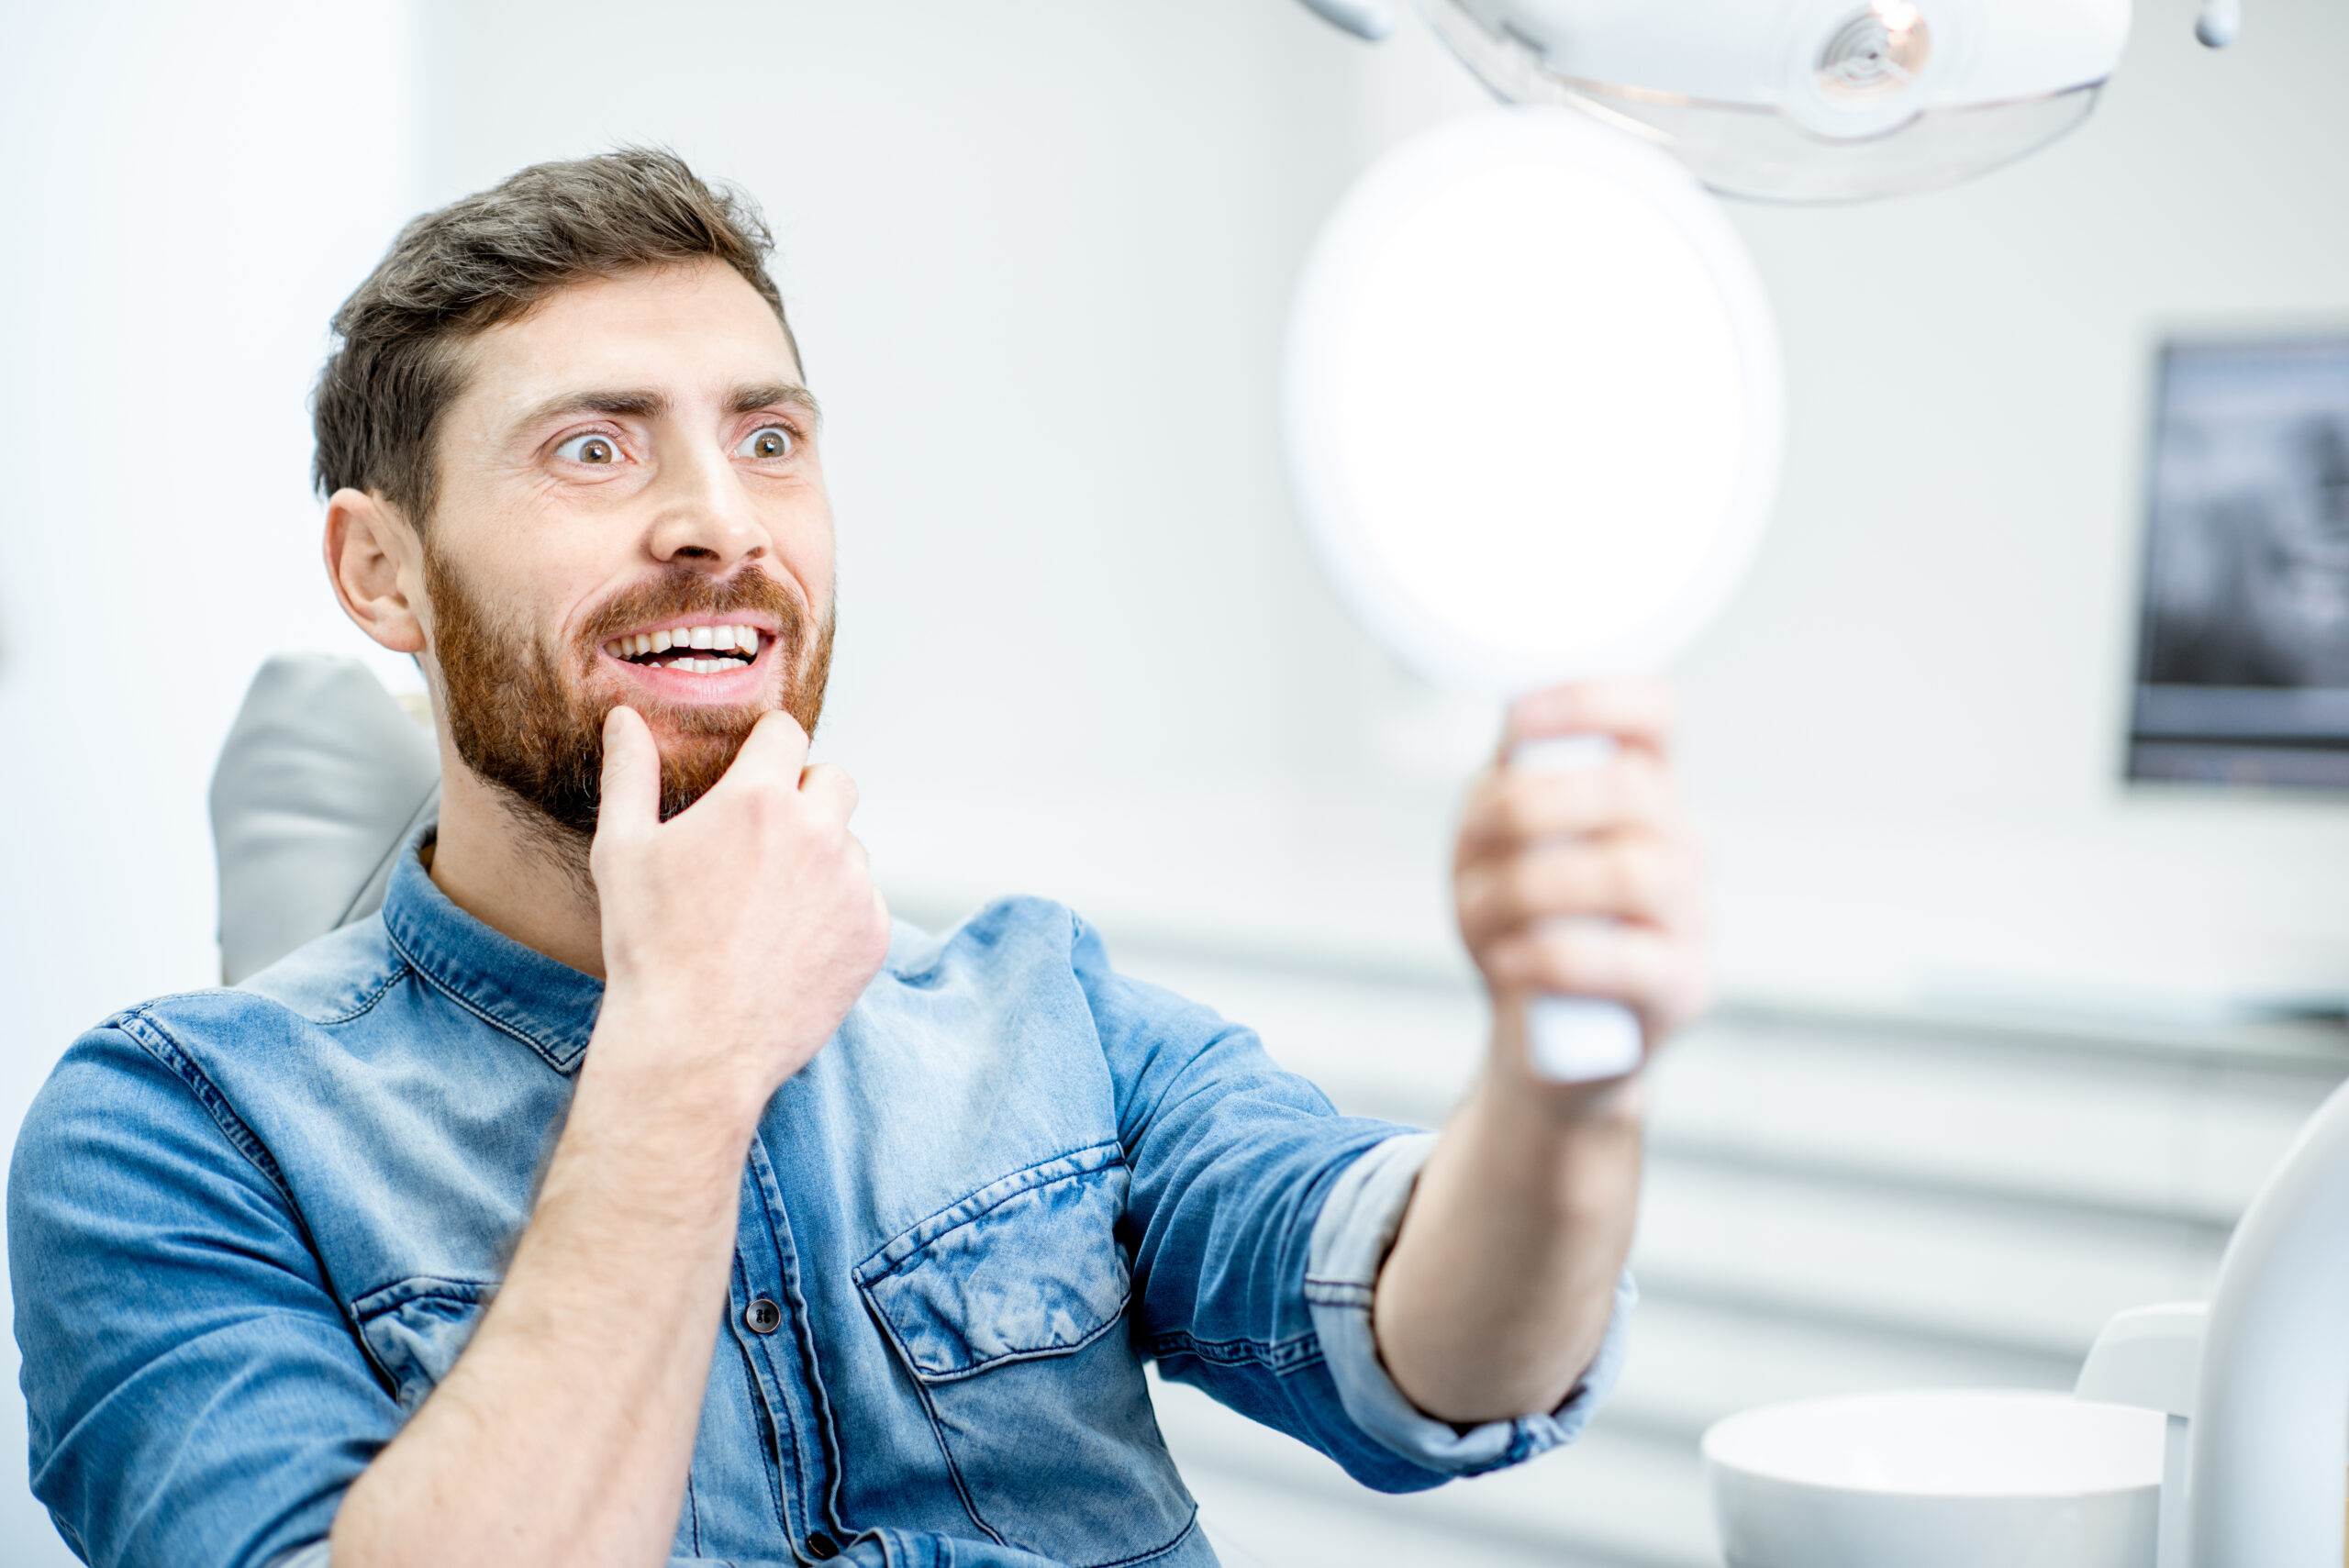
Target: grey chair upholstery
322,779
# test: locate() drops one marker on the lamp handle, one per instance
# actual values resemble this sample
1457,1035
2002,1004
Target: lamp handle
1366,19
1578,1040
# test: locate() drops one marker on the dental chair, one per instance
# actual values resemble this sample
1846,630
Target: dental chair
322,777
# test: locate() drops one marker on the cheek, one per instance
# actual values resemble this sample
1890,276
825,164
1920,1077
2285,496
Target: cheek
509,605
555,593
530,551
802,527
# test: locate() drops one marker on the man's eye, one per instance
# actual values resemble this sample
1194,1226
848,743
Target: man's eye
769,441
592,450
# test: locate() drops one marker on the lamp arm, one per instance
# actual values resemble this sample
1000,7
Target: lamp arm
1366,19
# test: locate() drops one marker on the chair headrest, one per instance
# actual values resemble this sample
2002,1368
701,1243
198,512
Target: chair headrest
322,779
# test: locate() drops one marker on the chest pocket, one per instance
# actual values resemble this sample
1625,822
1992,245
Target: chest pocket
1008,1310
417,1330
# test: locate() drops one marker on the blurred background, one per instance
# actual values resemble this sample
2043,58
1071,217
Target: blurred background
2007,1041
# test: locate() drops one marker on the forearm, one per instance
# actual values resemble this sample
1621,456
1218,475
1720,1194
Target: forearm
564,1432
1502,1282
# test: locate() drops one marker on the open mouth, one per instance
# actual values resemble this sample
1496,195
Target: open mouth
692,650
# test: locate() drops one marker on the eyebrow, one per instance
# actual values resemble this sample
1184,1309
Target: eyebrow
630,404
750,399
620,404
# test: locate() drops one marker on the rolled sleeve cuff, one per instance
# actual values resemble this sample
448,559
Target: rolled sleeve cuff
1350,1239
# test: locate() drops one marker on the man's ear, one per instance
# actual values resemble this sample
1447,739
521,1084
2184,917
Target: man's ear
376,563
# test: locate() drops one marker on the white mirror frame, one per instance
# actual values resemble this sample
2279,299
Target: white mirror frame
1401,184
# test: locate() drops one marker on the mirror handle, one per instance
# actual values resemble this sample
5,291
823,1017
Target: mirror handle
1578,1040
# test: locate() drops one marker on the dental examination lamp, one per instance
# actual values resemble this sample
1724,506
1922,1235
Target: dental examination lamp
1803,100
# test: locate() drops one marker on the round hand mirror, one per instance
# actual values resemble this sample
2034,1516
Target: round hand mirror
1535,412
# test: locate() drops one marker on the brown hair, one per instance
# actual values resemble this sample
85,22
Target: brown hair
456,273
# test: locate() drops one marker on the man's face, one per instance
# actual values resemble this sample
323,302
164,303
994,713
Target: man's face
631,464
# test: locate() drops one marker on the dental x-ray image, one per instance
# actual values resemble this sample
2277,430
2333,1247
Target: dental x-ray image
2244,659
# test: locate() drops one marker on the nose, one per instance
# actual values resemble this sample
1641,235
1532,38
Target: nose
702,515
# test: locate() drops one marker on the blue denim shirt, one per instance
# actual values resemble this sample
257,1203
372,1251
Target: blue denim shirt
250,1230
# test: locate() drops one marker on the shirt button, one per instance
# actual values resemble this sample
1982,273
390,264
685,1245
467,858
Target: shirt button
821,1546
763,1316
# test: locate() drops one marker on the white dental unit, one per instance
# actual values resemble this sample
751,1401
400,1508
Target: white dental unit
1569,309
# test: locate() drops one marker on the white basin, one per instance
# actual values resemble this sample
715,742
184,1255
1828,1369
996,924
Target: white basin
1934,1479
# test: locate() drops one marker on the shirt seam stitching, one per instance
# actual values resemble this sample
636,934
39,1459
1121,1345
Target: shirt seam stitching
775,1220
937,1431
1042,1352
1282,1356
769,1419
547,1053
1120,1158
424,1287
1189,1524
152,1036
173,1058
366,1004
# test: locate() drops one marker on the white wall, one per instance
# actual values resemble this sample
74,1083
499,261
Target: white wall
1910,729
190,190
1039,252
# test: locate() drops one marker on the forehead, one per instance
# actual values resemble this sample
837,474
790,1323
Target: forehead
693,330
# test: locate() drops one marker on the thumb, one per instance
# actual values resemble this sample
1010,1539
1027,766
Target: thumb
630,798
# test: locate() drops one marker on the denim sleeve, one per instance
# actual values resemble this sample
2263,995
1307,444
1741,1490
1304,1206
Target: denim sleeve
195,1398
1258,1219
1351,1236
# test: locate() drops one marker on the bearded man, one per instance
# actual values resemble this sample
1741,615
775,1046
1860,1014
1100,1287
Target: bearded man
629,1190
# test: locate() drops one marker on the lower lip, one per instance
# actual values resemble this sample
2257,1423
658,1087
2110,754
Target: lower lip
739,684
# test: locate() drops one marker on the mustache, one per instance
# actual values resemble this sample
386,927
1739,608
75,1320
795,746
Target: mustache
529,731
685,592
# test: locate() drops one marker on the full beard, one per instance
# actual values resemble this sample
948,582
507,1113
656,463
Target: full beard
528,719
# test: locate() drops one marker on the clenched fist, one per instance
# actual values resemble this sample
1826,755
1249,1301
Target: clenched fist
1586,883
738,933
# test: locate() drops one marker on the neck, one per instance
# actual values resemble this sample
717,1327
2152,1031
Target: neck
514,871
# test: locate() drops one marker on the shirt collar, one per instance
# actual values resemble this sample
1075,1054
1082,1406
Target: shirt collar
547,1006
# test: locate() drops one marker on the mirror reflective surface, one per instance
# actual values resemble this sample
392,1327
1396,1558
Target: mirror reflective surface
1535,401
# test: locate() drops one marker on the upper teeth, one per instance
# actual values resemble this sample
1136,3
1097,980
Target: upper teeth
743,639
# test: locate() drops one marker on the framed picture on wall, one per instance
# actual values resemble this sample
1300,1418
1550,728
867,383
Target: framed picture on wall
2242,659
